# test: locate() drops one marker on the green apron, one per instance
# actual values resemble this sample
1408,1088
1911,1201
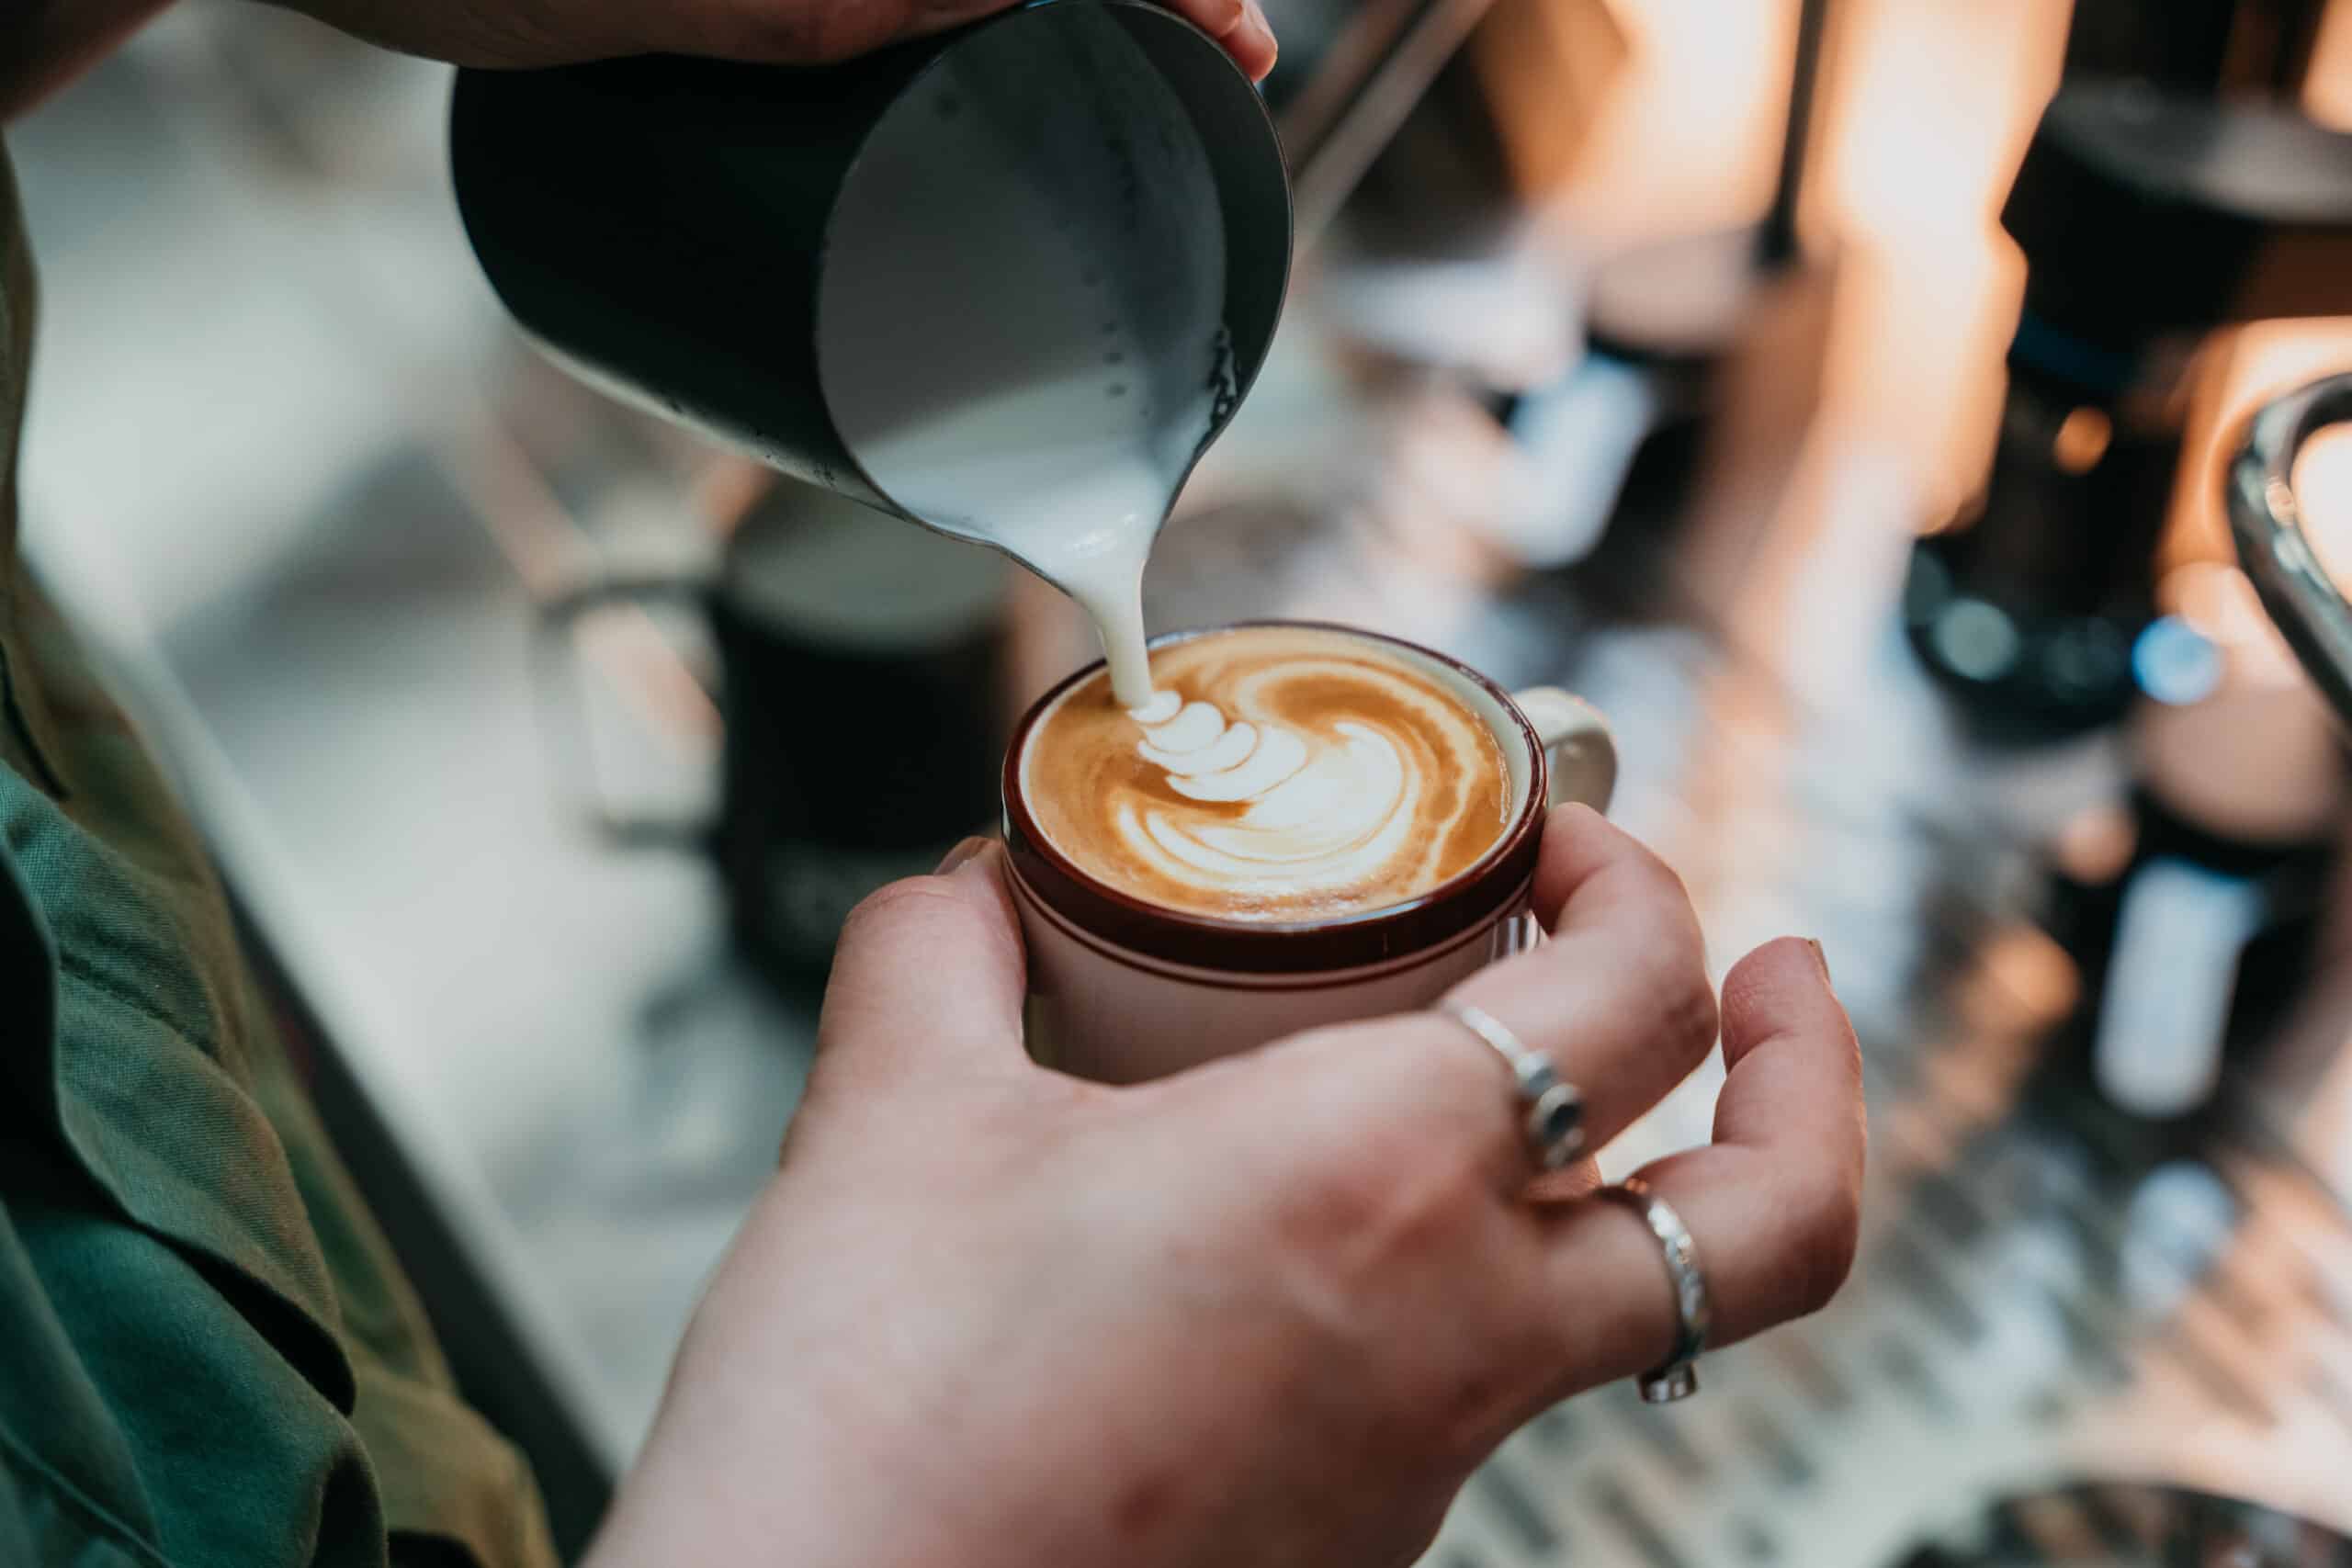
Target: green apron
208,1353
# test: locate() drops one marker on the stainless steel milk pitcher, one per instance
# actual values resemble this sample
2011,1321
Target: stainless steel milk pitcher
664,227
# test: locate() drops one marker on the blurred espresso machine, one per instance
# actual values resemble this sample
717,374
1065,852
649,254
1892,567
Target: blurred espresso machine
2173,187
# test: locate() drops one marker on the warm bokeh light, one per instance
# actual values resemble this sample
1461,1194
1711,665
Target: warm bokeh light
1930,108
1923,110
2082,440
1546,67
1690,137
2022,981
2095,844
1927,106
2327,86
2323,499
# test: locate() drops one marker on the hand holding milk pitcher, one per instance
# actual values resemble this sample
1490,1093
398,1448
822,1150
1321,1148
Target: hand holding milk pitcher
1008,283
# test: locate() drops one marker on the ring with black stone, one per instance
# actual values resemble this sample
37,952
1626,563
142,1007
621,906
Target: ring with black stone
1553,1111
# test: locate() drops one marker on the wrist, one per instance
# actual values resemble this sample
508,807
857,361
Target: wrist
741,1470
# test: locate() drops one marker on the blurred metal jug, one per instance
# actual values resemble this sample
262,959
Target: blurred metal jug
665,227
2294,574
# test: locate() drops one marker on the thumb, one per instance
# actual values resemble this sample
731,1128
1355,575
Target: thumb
929,973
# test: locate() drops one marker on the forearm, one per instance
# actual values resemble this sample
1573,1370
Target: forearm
46,43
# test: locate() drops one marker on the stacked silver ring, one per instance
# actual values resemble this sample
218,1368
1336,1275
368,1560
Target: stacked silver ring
1553,1122
1552,1110
1677,1377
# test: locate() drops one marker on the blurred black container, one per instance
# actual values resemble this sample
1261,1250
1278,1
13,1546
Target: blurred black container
864,690
2241,48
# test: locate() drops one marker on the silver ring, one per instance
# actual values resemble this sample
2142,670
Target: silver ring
1552,1110
1677,1376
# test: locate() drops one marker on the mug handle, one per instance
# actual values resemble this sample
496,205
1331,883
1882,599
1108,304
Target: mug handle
563,720
1575,742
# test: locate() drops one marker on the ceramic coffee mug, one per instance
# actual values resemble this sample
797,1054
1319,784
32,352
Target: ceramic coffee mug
1121,989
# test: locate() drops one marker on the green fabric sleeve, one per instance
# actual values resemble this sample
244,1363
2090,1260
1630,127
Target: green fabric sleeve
209,1354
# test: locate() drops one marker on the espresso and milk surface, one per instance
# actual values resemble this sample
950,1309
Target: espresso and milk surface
1044,383
1278,773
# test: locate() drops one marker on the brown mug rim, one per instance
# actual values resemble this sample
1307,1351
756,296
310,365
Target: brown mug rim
1482,889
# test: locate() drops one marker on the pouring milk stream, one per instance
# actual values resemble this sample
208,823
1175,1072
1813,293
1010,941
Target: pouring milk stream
1022,338
1043,383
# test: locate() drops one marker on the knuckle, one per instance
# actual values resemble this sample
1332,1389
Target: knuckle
915,901
909,896
1576,820
1650,877
1406,1175
1460,1080
1661,881
1385,1157
1391,1192
1679,950
1690,1016
1827,1230
1318,1207
936,906
1662,982
1324,1218
801,33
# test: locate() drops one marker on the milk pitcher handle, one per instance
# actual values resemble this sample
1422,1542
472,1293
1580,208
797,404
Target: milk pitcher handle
1577,744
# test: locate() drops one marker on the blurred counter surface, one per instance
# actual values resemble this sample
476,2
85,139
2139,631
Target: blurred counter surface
289,466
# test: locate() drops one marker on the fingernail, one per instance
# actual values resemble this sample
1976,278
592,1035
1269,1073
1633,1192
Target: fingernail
961,854
1821,958
1253,22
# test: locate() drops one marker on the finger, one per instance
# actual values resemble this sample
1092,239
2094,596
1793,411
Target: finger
1618,999
1378,1105
929,972
820,34
1773,1203
1239,25
795,32
1581,848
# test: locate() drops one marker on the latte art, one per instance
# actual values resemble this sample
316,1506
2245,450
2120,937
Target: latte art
1278,773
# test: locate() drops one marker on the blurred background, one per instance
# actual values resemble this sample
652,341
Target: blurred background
1838,392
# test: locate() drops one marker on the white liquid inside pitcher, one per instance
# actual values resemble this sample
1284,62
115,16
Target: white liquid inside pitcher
1019,320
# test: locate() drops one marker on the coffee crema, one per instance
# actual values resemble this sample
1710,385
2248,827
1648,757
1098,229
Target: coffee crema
1279,774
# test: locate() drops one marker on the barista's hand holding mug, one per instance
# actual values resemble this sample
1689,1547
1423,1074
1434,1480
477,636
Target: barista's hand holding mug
1313,824
1272,1308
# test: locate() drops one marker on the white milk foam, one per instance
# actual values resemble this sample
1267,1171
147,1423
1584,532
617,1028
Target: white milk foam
1319,815
1282,772
1019,322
